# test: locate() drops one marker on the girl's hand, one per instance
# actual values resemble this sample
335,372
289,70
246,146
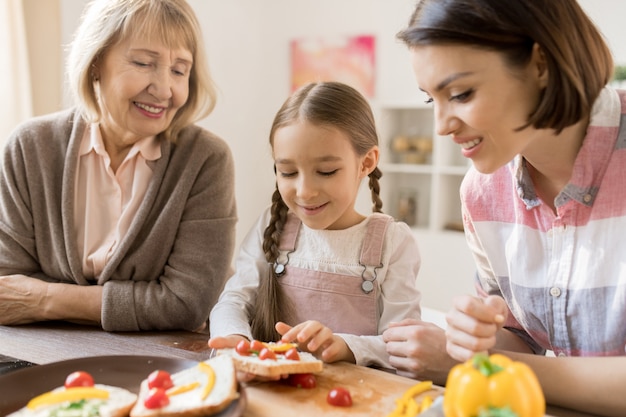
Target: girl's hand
314,337
224,342
472,325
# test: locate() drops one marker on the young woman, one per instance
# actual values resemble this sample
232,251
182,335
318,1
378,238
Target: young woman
313,269
120,212
519,85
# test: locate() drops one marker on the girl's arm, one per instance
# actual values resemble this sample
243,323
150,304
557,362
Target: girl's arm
231,314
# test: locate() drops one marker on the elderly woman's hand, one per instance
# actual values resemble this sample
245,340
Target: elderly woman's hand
21,299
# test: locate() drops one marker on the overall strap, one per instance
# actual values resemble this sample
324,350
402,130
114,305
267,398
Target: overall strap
289,234
287,243
372,249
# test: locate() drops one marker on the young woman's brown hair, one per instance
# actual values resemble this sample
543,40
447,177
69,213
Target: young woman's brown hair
578,59
324,103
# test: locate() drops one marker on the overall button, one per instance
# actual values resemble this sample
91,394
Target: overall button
555,292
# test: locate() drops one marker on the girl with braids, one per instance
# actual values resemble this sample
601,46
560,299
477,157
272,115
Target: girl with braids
314,270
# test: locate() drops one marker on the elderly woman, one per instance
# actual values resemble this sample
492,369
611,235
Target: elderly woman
120,212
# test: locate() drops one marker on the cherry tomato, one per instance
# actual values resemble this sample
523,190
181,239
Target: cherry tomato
339,397
306,381
267,353
156,398
256,346
79,379
292,354
243,348
160,379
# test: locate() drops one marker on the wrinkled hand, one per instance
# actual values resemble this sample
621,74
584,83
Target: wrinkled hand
417,349
473,324
314,337
21,299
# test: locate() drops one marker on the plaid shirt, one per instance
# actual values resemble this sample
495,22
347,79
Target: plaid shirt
563,276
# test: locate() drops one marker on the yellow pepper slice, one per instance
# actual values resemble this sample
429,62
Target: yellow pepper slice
406,405
207,369
68,394
182,388
426,402
280,347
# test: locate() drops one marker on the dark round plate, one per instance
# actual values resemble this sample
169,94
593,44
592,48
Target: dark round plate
18,387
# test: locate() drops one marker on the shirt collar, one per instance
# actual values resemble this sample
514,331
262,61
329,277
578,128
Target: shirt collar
591,161
149,147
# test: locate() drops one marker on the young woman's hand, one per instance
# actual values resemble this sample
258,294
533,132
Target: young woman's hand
314,337
417,349
473,324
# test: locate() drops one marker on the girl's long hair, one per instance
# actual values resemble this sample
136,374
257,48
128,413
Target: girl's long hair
324,103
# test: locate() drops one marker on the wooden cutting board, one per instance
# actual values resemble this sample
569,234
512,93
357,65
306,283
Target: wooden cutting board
373,392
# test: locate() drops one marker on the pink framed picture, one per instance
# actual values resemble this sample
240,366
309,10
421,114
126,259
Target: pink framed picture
349,59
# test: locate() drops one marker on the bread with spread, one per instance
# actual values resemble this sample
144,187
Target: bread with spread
83,398
204,389
271,359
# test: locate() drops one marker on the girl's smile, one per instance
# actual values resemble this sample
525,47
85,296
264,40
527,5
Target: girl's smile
318,174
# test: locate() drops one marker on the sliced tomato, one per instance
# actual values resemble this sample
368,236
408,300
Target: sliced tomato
156,398
267,353
79,379
339,397
243,348
306,381
292,354
160,379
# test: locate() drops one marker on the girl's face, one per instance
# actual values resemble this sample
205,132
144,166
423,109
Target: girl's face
318,174
142,85
480,101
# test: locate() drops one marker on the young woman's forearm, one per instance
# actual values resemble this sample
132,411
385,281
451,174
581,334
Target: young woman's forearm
602,393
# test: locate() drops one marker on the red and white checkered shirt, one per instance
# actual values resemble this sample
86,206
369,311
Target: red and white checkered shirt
563,276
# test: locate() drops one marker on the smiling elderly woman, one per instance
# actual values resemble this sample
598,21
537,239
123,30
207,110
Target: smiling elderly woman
120,212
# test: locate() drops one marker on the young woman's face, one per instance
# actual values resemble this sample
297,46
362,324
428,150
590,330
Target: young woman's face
479,101
142,85
318,174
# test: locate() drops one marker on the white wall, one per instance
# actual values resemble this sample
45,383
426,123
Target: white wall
247,43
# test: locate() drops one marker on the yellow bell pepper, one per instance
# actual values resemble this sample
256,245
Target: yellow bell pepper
493,386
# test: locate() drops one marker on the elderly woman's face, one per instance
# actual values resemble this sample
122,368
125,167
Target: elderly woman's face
142,85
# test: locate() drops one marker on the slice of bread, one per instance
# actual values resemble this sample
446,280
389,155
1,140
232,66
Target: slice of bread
270,367
190,403
118,404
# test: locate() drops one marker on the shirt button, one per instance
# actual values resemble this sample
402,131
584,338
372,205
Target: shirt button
587,198
555,292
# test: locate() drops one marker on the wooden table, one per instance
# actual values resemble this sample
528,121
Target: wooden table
374,392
